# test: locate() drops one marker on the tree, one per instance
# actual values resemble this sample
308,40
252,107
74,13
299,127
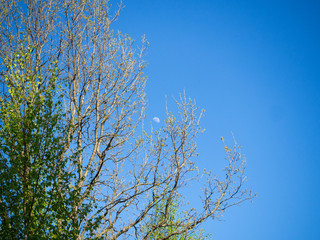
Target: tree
166,224
116,172
34,184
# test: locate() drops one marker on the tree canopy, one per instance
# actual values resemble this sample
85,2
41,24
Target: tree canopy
77,162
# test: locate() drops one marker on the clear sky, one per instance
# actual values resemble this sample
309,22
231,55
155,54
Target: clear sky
254,66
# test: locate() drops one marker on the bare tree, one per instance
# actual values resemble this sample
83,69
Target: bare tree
121,172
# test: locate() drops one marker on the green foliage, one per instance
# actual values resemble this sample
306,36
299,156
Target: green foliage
35,196
166,219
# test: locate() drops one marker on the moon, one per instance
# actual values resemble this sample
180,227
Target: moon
156,120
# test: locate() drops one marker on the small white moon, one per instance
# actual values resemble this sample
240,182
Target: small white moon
156,120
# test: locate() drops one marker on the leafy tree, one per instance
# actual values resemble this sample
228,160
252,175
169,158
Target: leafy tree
34,184
83,165
165,221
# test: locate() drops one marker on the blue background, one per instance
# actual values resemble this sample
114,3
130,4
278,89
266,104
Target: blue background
254,67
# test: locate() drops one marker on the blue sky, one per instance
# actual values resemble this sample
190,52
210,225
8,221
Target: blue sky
254,66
